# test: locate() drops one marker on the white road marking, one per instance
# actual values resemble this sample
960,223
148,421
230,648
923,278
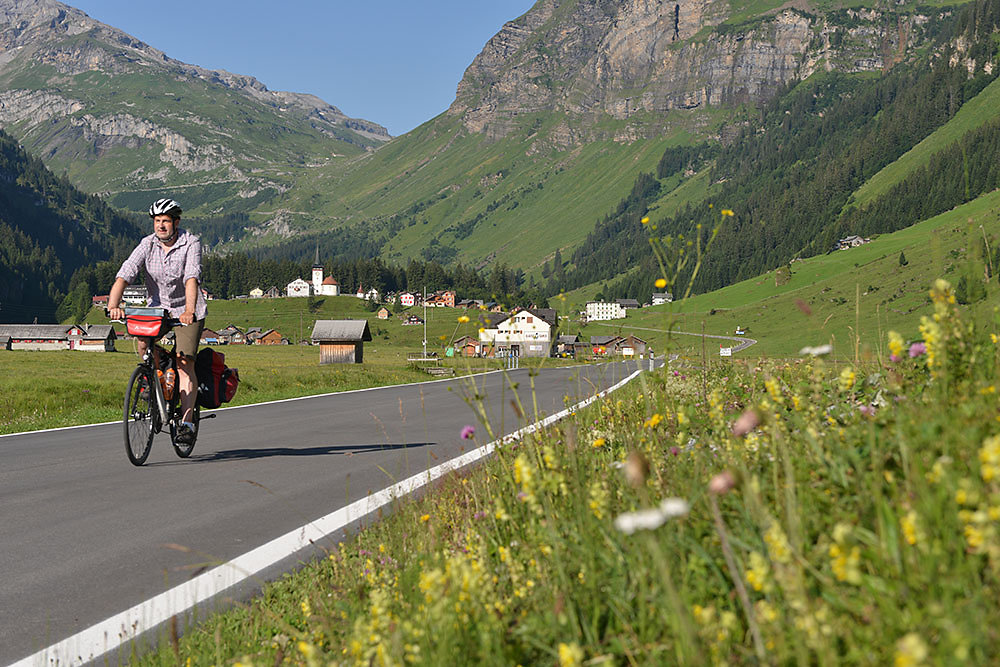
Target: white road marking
108,635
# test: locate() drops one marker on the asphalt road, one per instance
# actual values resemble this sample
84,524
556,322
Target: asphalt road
85,535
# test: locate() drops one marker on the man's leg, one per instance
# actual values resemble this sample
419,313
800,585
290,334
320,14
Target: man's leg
187,347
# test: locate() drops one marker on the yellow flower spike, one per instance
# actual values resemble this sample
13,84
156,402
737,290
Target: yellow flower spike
570,655
462,319
660,283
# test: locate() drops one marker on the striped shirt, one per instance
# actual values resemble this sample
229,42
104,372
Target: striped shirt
166,271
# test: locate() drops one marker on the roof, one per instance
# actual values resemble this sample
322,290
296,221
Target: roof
98,332
567,339
548,314
603,340
492,320
35,330
628,303
330,280
341,330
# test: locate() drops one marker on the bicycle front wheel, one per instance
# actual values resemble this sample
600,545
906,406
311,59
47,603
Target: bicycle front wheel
138,419
184,450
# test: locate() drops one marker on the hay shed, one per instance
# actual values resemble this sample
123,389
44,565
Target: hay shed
341,341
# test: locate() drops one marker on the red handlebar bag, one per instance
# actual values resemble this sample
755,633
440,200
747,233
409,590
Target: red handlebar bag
146,325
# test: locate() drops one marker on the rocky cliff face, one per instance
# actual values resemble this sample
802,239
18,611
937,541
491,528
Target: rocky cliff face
593,59
72,89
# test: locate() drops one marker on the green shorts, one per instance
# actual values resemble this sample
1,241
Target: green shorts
187,338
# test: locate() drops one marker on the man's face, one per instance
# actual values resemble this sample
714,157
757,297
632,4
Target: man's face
164,227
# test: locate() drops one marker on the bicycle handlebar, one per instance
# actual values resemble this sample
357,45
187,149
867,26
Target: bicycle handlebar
174,322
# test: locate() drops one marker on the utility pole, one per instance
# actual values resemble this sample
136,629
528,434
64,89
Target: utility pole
425,320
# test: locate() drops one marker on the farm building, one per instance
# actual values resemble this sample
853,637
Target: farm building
341,341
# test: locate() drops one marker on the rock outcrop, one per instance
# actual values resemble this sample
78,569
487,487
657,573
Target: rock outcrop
637,59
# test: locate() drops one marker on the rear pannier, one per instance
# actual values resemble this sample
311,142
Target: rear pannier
217,383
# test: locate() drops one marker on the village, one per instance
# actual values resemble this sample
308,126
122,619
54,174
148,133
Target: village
525,332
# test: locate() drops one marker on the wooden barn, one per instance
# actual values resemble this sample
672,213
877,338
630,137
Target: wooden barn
341,341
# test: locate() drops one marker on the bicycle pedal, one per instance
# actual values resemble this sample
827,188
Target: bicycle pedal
211,416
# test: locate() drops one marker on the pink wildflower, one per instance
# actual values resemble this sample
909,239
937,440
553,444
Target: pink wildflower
917,349
468,432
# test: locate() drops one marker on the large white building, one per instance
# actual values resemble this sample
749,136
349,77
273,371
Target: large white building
527,333
602,310
298,287
324,286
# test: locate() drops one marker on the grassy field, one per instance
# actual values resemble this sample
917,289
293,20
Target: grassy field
848,298
49,389
762,513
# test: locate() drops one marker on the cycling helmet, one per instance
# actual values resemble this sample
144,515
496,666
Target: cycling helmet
165,207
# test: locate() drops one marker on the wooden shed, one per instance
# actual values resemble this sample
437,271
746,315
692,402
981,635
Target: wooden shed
341,341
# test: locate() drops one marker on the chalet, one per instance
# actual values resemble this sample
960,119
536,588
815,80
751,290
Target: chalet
93,337
271,337
341,341
527,333
252,333
99,301
298,287
383,313
232,335
631,346
627,303
209,337
660,298
272,292
602,346
567,344
466,346
852,241
408,299
494,307
256,293
442,299
412,319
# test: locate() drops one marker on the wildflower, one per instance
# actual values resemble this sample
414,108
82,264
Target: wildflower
989,459
425,518
462,319
660,283
722,483
727,212
598,442
816,351
845,563
867,410
846,380
777,544
895,346
645,220
650,519
758,574
911,650
747,422
653,421
468,432
917,349
570,655
911,530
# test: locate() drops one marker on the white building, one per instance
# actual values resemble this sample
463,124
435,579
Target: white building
602,310
298,287
408,299
324,286
660,298
524,334
368,295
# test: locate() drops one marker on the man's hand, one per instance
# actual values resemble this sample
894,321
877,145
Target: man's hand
187,317
116,313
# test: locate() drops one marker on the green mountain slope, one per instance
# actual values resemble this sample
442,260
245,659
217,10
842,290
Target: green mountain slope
48,230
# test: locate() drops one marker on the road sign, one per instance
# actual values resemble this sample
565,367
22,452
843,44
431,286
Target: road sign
725,351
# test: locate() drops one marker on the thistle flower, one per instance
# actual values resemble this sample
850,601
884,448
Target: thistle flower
917,349
468,432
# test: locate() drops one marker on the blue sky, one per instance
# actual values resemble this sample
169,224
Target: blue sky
394,62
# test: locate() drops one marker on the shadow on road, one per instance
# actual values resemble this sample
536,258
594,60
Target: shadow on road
246,454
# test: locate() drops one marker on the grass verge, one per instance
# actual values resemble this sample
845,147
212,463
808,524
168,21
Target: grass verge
770,512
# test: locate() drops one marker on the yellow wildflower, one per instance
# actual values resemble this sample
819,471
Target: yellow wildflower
570,655
895,345
758,574
660,283
911,529
989,459
846,380
845,564
911,650
599,442
425,518
653,421
645,221
777,544
462,319
727,212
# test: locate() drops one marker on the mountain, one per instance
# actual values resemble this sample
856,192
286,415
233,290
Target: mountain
565,106
123,119
49,230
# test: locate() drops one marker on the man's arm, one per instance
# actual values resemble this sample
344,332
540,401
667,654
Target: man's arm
190,299
115,299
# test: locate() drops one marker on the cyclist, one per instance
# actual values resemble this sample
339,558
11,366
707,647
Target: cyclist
171,257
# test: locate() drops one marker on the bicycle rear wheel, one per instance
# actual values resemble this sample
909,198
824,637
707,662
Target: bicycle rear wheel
139,416
182,450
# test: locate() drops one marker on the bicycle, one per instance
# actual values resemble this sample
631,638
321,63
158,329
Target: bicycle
146,408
